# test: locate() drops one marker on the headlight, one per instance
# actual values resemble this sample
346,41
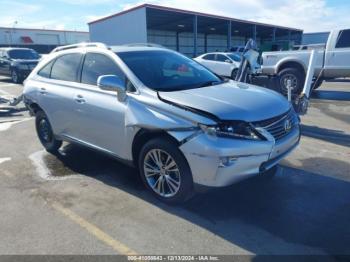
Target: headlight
239,130
22,66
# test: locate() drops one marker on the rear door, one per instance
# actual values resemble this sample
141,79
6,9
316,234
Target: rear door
338,56
56,90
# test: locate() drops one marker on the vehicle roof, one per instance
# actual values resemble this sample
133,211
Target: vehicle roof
126,48
224,53
14,48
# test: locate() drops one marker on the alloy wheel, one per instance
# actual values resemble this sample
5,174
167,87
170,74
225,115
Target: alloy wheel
162,173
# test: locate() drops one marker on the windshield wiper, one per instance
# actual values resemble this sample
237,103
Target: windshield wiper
210,83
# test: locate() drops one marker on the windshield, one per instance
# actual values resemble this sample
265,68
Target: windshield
168,71
235,57
23,54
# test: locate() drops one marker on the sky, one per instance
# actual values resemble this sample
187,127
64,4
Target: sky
309,15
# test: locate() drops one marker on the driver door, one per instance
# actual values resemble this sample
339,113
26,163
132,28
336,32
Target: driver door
98,113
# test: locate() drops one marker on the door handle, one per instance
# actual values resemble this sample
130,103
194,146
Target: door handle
80,99
43,91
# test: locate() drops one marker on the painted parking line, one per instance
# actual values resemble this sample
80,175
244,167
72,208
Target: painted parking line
118,246
4,159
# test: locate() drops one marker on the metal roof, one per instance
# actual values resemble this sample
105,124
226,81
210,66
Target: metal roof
181,11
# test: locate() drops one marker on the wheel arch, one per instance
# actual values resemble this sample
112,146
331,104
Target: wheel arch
145,135
291,64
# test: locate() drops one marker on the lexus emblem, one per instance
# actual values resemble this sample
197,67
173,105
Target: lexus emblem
287,125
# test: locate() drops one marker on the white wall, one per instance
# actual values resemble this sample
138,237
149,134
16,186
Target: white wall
127,28
12,36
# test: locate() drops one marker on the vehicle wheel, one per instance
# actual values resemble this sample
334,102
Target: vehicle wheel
45,134
15,77
234,73
295,76
165,171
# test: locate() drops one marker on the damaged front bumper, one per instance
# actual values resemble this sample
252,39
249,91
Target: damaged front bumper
219,162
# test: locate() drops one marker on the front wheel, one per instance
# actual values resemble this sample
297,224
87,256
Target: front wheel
165,171
45,134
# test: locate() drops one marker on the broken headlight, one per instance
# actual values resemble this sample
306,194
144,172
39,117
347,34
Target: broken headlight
239,130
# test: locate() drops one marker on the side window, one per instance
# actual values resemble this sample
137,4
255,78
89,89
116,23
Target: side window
209,57
66,67
96,65
221,58
343,39
46,70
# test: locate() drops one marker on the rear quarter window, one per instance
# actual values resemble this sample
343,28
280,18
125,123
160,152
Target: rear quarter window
46,70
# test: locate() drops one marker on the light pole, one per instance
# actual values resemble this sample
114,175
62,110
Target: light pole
13,31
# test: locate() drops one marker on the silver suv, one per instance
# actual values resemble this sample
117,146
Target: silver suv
182,126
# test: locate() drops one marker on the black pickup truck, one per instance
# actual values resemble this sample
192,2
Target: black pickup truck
17,62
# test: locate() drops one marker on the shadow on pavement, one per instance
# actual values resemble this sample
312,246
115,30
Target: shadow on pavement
329,135
331,95
296,206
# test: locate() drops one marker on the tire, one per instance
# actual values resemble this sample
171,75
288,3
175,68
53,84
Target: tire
171,187
234,73
297,78
45,134
15,77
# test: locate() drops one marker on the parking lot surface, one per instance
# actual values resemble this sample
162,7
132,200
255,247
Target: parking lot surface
81,202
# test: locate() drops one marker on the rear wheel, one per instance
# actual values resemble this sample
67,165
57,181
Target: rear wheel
45,134
292,76
165,171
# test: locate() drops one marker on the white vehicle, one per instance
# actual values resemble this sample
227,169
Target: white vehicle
331,62
223,64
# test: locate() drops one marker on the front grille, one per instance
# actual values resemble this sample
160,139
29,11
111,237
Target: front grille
277,126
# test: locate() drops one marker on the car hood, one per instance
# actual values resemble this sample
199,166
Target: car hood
231,101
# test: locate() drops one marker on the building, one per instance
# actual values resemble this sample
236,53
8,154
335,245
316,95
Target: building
42,40
315,38
191,33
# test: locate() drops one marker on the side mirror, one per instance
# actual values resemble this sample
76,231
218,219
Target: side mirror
228,61
112,83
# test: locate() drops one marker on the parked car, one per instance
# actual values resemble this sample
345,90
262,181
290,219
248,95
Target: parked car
182,126
331,62
17,62
223,64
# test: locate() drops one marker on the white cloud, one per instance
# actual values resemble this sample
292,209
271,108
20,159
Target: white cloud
310,15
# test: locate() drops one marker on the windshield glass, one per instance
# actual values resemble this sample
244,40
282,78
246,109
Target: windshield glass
168,71
235,57
23,54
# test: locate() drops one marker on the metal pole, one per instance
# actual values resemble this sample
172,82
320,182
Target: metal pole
274,35
177,41
229,35
254,33
195,35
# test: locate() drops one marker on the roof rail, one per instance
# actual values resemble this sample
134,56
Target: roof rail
83,44
145,44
